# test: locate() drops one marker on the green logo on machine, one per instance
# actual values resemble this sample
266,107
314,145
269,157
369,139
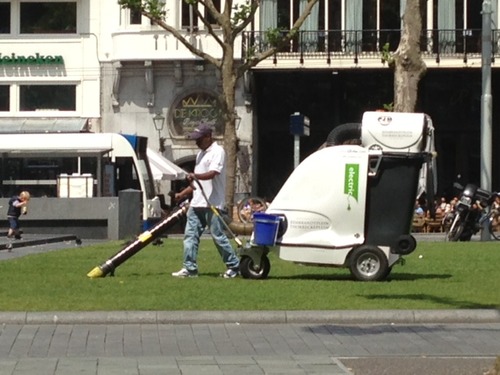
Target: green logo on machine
351,181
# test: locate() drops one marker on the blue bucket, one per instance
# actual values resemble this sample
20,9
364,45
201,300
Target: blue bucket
265,229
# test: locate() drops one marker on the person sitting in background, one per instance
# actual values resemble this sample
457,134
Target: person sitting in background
443,204
495,209
418,209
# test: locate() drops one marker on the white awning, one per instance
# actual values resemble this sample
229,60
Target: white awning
164,169
43,125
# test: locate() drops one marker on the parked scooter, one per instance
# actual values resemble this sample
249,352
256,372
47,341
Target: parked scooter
465,220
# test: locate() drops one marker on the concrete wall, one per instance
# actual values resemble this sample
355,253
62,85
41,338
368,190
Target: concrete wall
112,218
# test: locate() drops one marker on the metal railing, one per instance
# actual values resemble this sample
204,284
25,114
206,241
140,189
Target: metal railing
369,44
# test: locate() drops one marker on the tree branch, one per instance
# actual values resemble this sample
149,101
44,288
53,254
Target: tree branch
271,51
182,39
253,9
214,13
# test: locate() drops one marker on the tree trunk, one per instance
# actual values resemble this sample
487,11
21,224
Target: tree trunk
229,80
409,65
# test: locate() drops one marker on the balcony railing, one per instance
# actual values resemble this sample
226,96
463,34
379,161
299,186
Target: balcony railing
371,44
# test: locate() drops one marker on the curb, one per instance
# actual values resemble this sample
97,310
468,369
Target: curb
254,317
37,241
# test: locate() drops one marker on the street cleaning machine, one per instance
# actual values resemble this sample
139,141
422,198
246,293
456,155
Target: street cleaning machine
351,204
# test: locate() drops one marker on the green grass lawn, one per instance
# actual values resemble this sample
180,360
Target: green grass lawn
447,276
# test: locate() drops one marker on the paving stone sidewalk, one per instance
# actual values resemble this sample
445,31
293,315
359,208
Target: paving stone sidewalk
244,348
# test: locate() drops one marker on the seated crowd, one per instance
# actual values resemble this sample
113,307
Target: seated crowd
443,215
424,221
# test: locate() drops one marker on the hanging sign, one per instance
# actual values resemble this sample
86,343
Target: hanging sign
190,110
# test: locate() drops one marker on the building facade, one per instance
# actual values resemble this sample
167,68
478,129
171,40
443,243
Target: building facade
149,73
335,68
49,67
90,65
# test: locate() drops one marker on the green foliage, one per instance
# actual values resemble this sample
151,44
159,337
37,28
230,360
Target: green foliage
387,55
389,107
274,36
131,4
240,13
250,51
154,7
447,276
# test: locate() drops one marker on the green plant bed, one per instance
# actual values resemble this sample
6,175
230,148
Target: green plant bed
446,276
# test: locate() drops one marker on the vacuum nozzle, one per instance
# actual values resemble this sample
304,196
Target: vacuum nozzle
95,273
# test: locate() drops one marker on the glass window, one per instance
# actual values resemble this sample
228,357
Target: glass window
4,98
4,18
334,25
126,174
48,97
135,17
390,23
48,18
39,175
149,185
211,20
187,14
284,14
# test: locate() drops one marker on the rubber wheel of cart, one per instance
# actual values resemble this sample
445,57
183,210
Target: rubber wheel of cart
368,263
249,270
404,245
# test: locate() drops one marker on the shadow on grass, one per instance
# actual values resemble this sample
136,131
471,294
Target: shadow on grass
416,276
168,274
444,301
393,278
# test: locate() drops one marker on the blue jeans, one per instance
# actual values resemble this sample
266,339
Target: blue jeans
13,222
197,220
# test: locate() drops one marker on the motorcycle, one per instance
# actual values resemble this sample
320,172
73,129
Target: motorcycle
465,220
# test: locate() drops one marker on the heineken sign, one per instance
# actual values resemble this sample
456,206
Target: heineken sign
35,59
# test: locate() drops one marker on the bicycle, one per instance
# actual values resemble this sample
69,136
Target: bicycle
248,206
492,219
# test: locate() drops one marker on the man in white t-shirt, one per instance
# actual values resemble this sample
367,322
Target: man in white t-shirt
210,171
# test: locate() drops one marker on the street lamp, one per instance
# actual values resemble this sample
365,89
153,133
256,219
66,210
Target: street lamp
159,122
237,120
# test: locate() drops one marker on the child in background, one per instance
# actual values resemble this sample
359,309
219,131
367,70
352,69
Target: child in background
18,205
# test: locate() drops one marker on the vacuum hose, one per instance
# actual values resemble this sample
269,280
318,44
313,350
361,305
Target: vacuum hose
349,133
